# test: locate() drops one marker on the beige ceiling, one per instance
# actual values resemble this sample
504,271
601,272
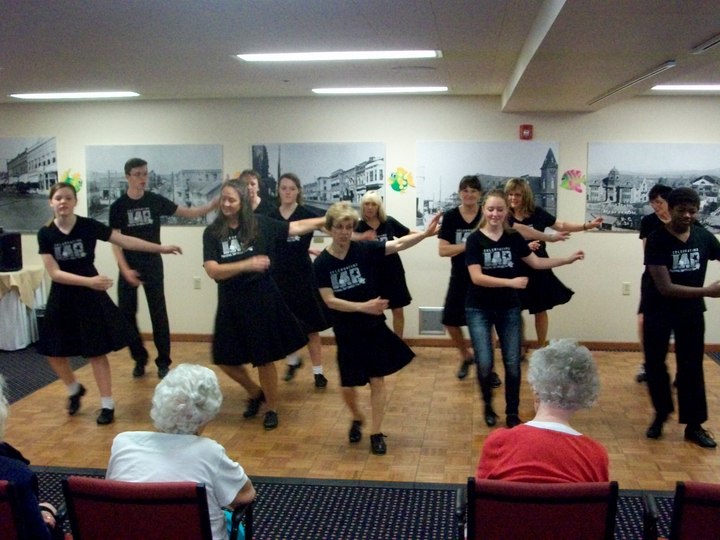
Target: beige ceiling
550,55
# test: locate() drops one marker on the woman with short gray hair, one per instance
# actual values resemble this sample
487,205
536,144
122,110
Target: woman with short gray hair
564,379
184,402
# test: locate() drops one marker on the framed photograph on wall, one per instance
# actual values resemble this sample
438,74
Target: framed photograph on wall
28,168
328,172
620,175
441,165
187,174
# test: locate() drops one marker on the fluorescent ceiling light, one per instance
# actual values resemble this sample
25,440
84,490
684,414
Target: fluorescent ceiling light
340,55
687,87
652,73
706,45
382,90
76,95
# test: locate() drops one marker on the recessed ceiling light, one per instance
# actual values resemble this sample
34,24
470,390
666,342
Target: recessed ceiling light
382,90
339,55
687,87
76,95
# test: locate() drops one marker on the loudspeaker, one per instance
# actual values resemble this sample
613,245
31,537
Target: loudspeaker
10,252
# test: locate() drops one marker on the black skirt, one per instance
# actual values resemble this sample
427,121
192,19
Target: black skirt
255,326
369,352
80,321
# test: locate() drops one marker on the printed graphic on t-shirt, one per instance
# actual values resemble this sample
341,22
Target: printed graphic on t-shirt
293,239
382,237
137,217
231,247
497,258
685,260
70,250
461,235
346,278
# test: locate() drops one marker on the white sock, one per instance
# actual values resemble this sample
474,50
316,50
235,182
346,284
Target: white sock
293,360
107,403
317,370
73,388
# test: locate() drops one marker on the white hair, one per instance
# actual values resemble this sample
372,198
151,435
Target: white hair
186,399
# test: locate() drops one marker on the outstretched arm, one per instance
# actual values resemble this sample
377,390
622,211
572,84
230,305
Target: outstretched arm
136,244
530,233
578,227
540,263
409,240
197,211
304,226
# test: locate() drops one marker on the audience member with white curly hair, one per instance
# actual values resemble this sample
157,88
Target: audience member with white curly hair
184,402
564,379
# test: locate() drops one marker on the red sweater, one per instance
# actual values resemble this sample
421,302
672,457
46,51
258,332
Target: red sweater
531,454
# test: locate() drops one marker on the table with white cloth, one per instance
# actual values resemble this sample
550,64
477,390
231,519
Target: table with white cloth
22,293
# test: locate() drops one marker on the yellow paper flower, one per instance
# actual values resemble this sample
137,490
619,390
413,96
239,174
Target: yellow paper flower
74,180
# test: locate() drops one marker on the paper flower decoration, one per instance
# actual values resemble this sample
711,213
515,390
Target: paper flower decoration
573,180
400,180
74,180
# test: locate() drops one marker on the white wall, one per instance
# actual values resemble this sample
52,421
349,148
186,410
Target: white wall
598,311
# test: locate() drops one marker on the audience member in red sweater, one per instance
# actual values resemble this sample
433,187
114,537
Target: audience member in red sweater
564,379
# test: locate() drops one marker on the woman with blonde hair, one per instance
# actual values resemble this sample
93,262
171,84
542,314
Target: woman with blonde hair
391,273
544,290
367,350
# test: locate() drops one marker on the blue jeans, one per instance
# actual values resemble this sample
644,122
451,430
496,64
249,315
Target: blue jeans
507,323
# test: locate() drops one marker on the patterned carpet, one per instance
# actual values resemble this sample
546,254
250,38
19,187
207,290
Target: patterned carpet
311,509
26,371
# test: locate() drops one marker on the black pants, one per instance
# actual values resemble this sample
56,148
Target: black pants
689,331
155,296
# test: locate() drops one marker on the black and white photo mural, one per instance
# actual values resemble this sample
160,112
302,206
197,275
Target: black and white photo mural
328,172
441,165
187,174
620,176
28,168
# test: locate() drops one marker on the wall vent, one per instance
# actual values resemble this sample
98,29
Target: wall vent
430,321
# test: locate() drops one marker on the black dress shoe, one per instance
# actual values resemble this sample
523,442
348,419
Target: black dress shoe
655,429
464,368
74,401
355,433
291,369
490,416
106,416
253,405
699,436
377,444
139,369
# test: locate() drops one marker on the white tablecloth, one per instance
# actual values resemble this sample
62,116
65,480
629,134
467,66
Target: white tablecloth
22,293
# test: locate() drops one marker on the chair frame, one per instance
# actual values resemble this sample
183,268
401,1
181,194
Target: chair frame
546,493
7,497
695,494
176,494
